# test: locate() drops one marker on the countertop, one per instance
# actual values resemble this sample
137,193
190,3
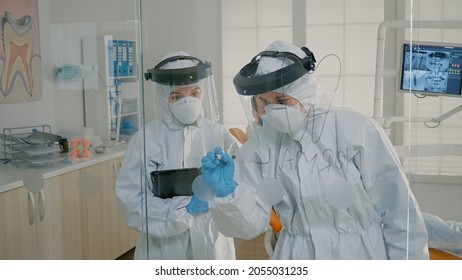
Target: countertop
11,176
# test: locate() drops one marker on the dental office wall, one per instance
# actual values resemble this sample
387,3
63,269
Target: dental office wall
63,26
38,112
192,26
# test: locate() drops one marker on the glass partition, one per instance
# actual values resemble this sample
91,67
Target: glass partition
72,94
431,150
359,52
108,108
418,78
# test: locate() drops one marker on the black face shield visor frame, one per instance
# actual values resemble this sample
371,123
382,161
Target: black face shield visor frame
246,83
180,76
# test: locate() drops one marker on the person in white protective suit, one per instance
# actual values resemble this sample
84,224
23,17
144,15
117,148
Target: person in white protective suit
178,226
331,174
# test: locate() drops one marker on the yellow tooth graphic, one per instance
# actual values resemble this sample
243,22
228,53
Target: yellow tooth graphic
18,39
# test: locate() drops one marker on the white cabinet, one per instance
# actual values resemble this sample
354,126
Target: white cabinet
44,225
75,216
18,231
105,232
59,219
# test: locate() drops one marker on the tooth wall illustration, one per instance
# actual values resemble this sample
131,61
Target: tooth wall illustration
18,62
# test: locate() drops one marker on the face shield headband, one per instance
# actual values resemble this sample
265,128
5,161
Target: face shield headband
180,76
247,83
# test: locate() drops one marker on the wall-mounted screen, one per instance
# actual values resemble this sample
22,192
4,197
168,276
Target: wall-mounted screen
431,68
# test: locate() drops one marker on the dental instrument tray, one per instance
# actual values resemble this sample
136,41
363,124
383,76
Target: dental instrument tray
40,160
38,137
33,144
174,182
37,150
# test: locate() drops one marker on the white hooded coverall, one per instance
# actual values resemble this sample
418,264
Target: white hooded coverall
167,230
345,194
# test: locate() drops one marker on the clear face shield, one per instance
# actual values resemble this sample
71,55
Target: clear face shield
185,90
268,100
188,103
185,95
265,88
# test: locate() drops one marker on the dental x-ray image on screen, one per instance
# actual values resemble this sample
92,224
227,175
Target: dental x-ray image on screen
431,68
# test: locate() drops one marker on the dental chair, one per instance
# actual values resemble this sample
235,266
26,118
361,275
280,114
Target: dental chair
444,238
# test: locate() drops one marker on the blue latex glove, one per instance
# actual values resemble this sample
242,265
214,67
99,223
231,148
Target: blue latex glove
218,171
196,205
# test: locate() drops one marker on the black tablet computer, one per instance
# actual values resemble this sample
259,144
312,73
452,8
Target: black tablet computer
173,182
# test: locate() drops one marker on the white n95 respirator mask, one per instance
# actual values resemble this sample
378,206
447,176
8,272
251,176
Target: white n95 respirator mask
284,118
186,110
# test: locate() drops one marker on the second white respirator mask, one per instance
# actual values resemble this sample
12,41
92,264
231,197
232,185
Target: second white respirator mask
284,118
187,109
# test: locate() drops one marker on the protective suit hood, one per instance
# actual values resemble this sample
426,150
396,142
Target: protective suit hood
204,82
306,89
163,92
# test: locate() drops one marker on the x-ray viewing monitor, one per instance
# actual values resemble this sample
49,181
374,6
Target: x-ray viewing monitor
431,68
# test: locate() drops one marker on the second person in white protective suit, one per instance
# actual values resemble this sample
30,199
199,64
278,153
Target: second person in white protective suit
331,174
176,226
